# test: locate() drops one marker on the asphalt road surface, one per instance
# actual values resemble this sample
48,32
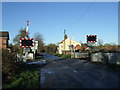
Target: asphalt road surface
75,73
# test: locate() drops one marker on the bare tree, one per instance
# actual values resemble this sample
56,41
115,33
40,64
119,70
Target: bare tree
113,43
100,42
38,37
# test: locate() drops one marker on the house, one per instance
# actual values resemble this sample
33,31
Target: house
4,37
82,47
64,46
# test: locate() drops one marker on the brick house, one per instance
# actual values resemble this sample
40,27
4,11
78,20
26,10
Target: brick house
4,37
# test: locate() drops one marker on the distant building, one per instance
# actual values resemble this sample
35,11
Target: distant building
82,47
64,46
4,37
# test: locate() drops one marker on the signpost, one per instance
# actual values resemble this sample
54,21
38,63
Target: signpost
29,45
91,40
26,42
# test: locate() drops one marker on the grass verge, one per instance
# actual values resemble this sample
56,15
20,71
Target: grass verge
28,78
63,56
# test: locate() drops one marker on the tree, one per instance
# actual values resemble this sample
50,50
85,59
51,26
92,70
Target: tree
107,44
113,43
100,42
38,37
16,40
111,46
22,33
51,48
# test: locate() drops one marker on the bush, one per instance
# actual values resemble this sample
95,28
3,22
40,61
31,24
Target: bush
66,56
59,55
17,74
9,65
26,79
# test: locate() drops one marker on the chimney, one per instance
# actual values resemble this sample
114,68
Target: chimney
65,36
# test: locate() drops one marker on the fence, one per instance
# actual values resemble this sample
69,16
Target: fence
112,58
80,55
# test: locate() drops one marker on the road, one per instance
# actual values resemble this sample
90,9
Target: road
75,73
49,57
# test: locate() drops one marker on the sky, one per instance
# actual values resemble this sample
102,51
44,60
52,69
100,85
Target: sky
51,18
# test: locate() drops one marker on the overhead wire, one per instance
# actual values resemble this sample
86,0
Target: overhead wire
82,15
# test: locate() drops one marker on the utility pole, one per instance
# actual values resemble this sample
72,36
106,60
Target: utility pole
64,41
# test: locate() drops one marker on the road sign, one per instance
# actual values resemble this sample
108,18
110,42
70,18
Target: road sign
92,38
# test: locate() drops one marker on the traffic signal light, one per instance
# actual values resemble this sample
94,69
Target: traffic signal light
26,42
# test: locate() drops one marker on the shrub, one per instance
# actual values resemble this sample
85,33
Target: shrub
9,65
26,79
59,55
66,56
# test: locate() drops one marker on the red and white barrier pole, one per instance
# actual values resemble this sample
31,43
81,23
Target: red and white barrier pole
27,29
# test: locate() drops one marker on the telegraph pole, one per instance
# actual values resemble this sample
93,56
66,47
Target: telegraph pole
64,41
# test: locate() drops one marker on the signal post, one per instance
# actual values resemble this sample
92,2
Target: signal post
29,46
91,39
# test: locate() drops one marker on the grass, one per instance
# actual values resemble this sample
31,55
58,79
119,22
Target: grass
28,78
66,56
63,56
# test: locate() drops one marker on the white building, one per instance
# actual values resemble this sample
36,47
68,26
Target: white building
64,45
